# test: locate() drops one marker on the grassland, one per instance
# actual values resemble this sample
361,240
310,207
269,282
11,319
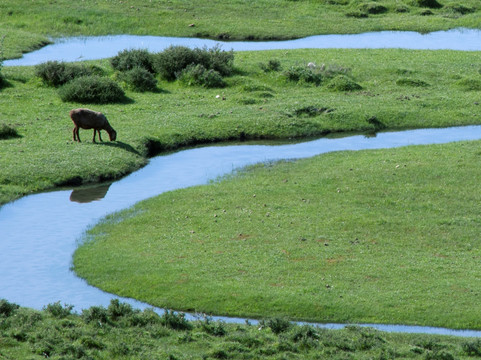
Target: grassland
387,236
400,89
118,332
31,26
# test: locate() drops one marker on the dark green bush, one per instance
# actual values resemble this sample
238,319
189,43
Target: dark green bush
54,73
118,310
343,83
215,328
278,325
460,9
175,321
92,89
472,347
6,132
139,79
131,59
7,308
432,4
58,311
173,60
198,75
95,314
170,62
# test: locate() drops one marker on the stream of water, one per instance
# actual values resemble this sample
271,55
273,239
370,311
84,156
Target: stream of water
99,47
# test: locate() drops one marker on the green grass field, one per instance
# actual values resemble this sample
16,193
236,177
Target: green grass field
400,89
29,26
385,236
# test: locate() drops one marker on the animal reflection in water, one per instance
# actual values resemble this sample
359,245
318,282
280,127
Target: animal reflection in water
89,194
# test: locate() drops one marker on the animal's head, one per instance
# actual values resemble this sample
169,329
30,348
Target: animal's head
113,135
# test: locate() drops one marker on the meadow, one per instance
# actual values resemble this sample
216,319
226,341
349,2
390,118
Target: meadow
269,95
372,236
28,27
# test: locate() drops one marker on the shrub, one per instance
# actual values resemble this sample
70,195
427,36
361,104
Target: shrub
176,321
200,76
58,311
97,314
472,348
173,60
139,79
117,310
215,328
6,132
170,62
432,4
7,308
54,73
278,325
92,89
343,83
131,59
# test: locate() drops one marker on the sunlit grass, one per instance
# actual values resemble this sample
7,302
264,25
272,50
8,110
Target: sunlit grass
387,236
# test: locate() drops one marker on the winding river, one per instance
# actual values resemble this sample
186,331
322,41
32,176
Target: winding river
39,233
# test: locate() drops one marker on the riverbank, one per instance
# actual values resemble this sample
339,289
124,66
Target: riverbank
28,27
393,89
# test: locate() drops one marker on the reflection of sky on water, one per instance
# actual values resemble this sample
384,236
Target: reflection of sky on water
38,233
91,48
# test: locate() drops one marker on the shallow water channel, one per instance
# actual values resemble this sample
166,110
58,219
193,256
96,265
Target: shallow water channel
39,233
99,47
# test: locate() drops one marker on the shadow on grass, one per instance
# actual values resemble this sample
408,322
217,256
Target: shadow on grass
121,145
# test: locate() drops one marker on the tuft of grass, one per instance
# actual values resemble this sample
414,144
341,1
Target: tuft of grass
7,131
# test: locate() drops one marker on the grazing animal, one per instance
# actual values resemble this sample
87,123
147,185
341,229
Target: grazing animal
89,119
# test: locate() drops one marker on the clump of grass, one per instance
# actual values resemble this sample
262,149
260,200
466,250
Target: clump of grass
304,74
432,4
373,8
175,321
278,325
131,59
311,111
139,79
472,347
92,89
404,81
460,9
343,83
55,73
271,65
7,131
470,84
198,75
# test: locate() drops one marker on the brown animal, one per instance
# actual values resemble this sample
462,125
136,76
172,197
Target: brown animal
89,119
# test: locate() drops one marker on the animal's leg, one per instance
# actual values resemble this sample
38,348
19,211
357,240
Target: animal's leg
76,136
95,131
100,138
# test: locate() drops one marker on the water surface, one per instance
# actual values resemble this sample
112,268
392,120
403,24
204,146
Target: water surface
39,233
99,47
